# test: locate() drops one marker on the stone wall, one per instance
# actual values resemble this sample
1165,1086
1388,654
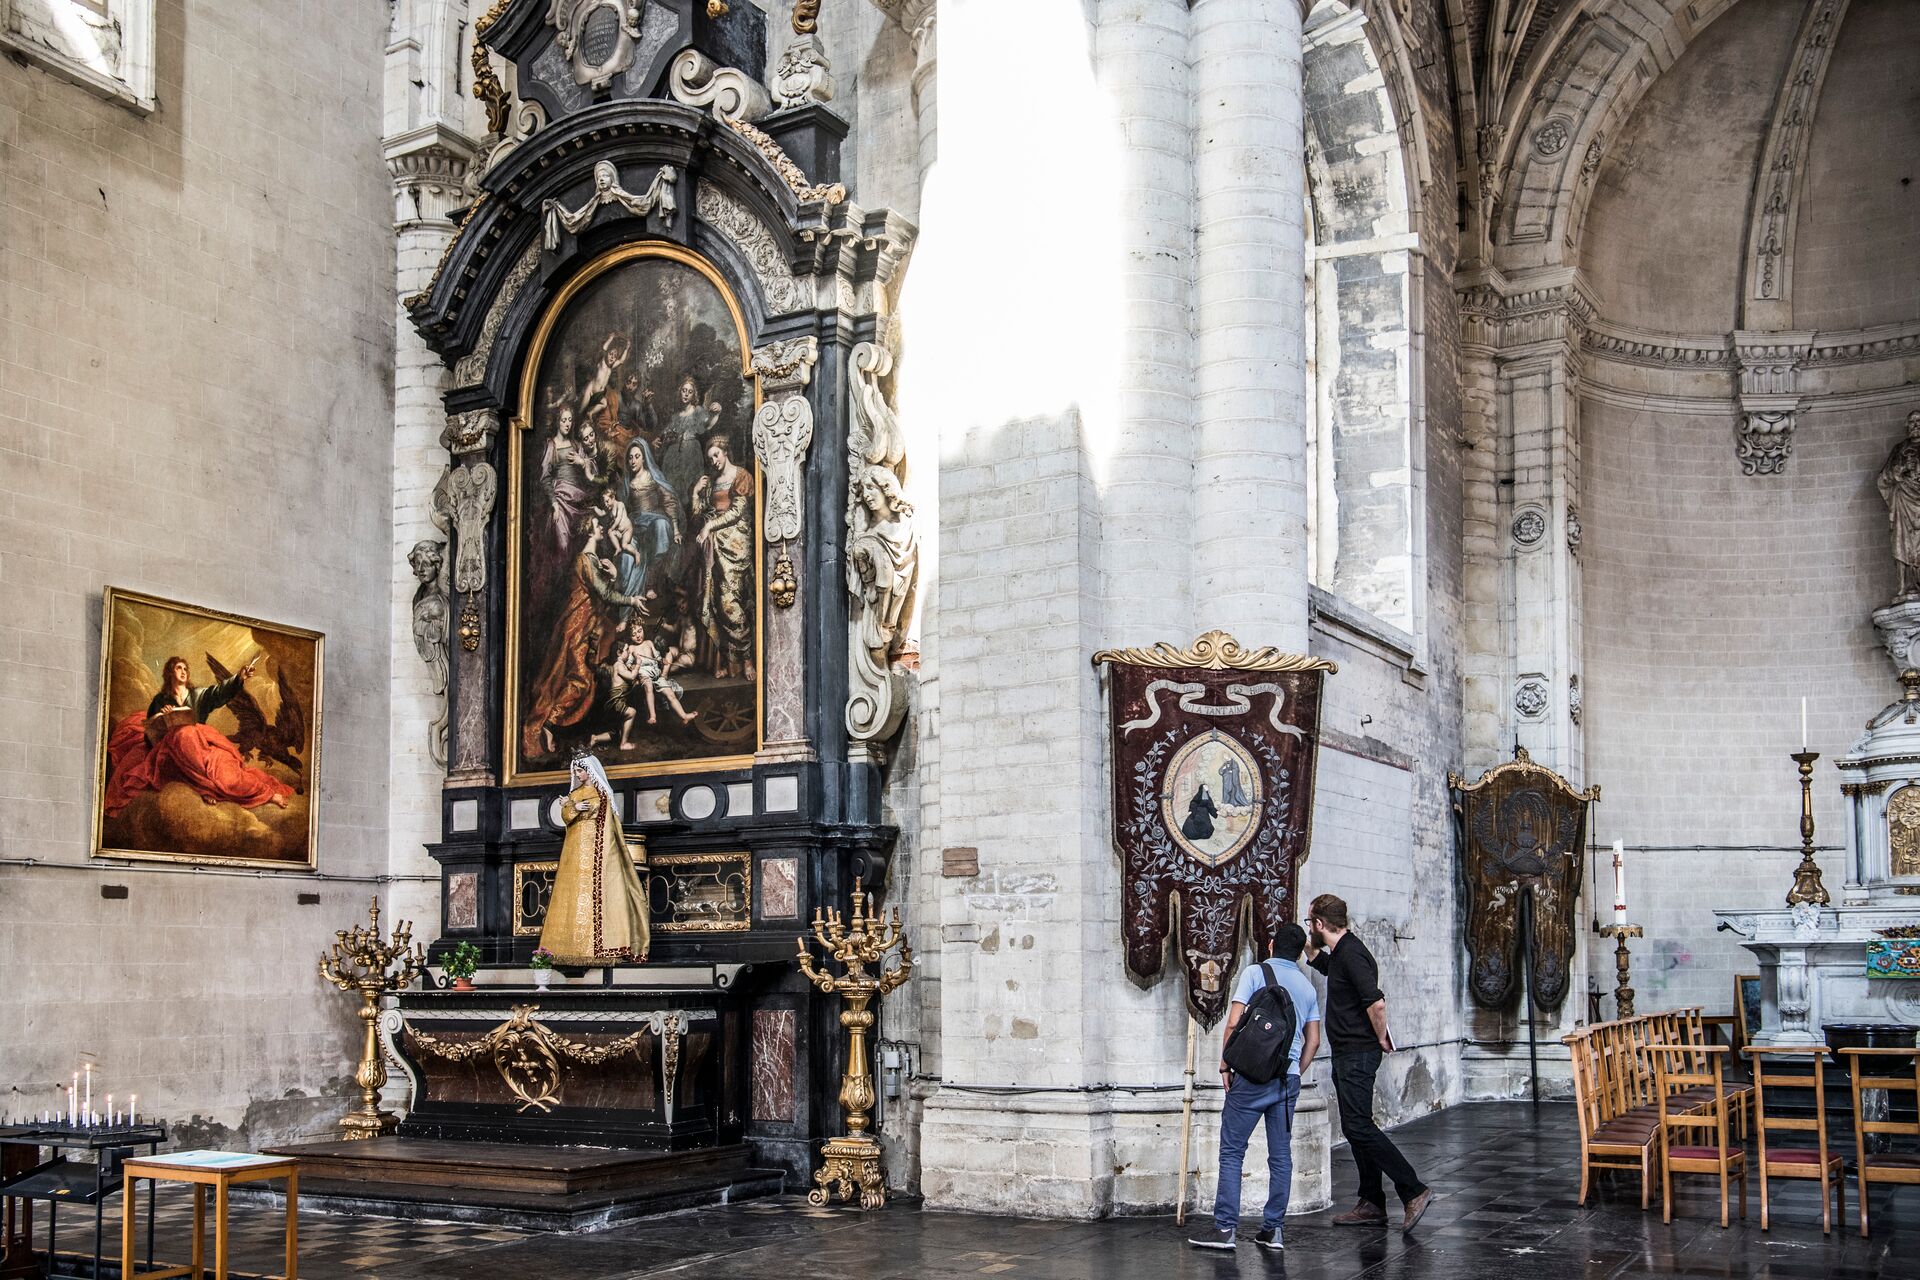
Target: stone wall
195,401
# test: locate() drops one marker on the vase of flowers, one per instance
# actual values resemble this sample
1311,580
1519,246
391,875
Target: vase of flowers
461,964
541,962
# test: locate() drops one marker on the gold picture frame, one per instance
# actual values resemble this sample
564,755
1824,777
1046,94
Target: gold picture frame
530,367
233,778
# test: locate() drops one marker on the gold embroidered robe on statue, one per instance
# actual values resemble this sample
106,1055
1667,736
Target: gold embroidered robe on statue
598,912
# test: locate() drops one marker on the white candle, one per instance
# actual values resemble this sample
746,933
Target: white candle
133,1109
1619,882
73,1100
87,1106
109,1109
1803,726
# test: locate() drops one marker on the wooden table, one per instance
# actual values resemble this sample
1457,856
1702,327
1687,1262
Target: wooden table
220,1170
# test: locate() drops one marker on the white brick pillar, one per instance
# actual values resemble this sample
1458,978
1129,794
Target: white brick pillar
427,150
1249,463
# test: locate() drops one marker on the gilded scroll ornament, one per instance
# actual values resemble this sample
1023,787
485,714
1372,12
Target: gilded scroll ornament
529,1055
1524,833
806,17
790,173
1214,651
486,85
1903,830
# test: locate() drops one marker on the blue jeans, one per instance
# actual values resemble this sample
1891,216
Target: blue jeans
1247,1103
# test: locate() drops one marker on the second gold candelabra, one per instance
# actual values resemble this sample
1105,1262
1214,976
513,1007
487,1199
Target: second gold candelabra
360,960
861,944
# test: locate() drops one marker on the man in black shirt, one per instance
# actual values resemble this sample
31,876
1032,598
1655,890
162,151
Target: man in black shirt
1356,1025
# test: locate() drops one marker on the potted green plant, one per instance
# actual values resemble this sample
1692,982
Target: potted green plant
461,964
541,962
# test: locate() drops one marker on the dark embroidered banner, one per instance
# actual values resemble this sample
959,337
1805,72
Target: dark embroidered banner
1213,764
1524,832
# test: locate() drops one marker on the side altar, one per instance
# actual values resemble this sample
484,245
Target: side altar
675,537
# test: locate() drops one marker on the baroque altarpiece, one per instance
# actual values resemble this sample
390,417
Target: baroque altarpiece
678,540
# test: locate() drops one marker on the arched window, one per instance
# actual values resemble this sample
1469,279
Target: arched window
1363,263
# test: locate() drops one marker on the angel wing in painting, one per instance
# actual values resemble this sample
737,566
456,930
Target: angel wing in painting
279,740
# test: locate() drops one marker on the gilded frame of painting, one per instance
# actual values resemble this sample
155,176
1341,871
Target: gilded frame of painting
523,422
111,598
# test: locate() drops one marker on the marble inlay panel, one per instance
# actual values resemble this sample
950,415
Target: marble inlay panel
773,1065
463,900
779,888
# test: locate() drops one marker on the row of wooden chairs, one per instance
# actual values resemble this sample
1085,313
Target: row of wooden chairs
1618,1066
1632,1077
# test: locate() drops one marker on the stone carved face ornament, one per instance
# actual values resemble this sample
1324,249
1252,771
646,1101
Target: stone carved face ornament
597,37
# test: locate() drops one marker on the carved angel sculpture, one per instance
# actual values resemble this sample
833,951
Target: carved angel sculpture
432,627
658,199
883,569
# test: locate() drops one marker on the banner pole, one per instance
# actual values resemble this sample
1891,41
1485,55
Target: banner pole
1186,1124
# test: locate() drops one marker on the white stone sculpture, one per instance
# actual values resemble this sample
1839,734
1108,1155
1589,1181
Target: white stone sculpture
783,429
803,74
1899,483
883,551
658,199
570,18
432,628
468,494
732,94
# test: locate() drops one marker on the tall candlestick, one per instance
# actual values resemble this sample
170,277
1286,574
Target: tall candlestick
1619,882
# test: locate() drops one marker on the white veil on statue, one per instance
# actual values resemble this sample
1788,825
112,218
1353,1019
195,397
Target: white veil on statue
596,773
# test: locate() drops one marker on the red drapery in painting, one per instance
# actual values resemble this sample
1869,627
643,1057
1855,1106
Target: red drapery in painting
1213,766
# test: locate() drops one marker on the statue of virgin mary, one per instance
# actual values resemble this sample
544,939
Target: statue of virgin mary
598,912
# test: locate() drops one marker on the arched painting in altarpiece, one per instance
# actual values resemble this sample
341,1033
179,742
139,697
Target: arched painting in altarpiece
633,538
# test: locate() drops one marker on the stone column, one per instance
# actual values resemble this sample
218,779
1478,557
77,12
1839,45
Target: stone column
1249,461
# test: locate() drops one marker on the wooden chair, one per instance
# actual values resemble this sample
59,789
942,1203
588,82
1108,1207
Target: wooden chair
1876,1166
1691,1028
1674,1065
1613,1134
1796,1162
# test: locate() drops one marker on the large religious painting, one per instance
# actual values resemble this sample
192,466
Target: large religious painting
634,622
1214,750
209,736
1524,834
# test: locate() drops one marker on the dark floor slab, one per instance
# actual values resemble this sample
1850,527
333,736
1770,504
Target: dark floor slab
1507,1179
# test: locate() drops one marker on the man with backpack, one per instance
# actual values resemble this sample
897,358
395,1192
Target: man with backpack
1273,1031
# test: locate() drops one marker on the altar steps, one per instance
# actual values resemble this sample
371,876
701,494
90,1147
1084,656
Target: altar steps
517,1185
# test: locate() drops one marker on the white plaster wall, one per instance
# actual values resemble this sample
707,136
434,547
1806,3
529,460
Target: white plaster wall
1715,602
195,400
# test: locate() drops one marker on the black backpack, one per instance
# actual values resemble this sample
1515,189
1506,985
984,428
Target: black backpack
1258,1048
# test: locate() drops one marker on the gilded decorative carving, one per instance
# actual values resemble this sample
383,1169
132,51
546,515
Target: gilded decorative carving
470,634
361,960
658,200
1524,831
783,429
471,432
696,81
1214,651
1903,830
486,85
806,16
530,1056
790,173
783,584
883,552
785,292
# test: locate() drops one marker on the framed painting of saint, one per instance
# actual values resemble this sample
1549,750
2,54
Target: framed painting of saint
209,736
633,625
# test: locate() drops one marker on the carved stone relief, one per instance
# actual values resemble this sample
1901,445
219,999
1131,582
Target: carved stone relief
1529,526
472,367
657,200
1530,698
883,552
803,74
731,94
469,494
432,619
1899,484
784,291
597,37
1573,529
782,430
1770,401
471,432
1551,138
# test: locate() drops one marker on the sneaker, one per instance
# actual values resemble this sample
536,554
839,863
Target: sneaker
1211,1237
1365,1213
1268,1238
1413,1209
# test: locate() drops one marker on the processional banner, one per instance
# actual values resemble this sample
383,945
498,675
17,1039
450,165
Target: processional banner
1523,834
1213,763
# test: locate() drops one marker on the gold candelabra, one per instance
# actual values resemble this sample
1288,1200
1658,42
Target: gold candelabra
360,961
1623,990
1806,877
852,1162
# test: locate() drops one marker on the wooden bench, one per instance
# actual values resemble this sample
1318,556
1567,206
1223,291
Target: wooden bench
1617,1092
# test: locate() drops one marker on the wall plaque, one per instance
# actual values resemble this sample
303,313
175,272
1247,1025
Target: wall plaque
1213,764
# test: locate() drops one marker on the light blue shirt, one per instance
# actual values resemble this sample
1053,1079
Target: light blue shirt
1306,1001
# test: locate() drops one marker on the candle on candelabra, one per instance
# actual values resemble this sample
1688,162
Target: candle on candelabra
88,1107
1803,724
133,1109
1619,882
109,1109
